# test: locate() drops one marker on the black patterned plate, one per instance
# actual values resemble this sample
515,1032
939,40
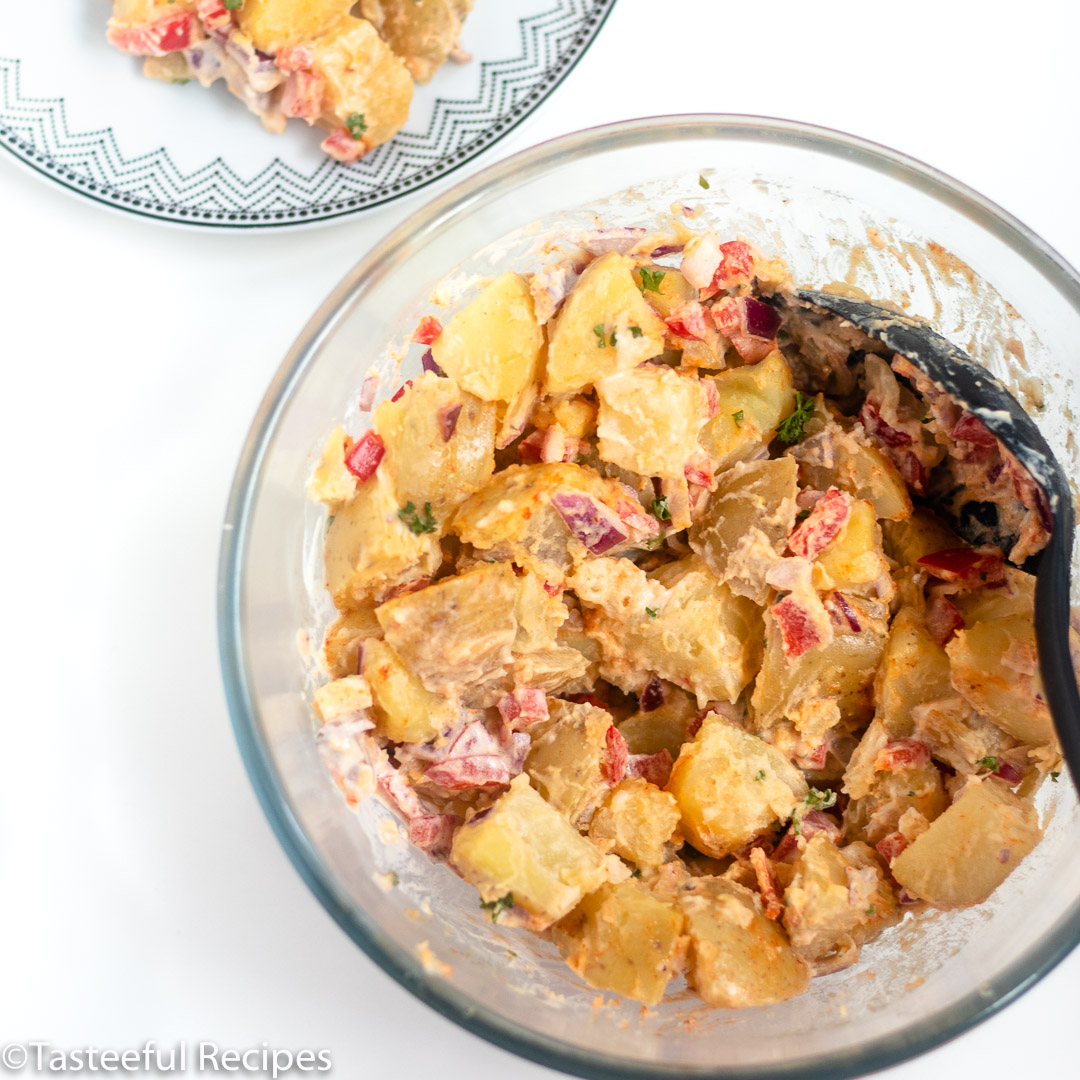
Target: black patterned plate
82,114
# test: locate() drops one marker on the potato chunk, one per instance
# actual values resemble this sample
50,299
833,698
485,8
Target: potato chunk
914,670
513,516
852,463
440,444
422,32
456,632
404,710
838,897
568,760
364,78
842,670
342,698
665,727
494,347
921,534
731,786
995,668
971,849
332,483
1016,596
746,523
649,419
624,939
369,547
738,958
525,848
638,822
344,637
853,561
272,24
753,401
604,305
678,622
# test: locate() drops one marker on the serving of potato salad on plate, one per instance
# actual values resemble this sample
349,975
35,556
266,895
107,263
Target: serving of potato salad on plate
685,622
350,72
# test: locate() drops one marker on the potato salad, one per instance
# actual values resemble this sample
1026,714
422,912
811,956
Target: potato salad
344,66
656,623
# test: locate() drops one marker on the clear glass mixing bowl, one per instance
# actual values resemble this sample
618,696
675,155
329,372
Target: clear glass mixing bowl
837,208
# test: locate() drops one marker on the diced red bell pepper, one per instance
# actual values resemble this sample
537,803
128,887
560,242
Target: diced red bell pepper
767,884
810,824
294,57
524,706
736,266
363,459
799,633
616,752
971,429
341,146
433,833
891,846
688,321
899,755
400,392
529,448
698,470
427,330
965,566
823,526
462,774
913,472
213,14
656,768
171,33
943,619
302,96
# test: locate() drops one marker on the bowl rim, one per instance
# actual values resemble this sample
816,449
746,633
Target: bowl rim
442,995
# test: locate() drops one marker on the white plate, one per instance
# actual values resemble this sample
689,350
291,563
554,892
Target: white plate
82,114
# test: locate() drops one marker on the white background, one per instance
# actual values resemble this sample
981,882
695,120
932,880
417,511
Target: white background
141,891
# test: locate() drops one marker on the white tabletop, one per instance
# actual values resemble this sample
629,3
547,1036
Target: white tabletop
143,894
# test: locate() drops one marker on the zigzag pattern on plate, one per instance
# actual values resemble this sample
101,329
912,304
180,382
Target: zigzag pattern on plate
90,162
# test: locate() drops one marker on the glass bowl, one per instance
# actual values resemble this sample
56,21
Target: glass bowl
837,208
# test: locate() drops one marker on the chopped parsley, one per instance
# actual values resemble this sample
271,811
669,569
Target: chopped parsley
654,542
802,515
636,872
660,509
925,420
232,5
497,907
179,82
651,612
702,182
354,122
990,763
650,279
870,910
760,775
820,800
330,520
791,429
796,827
1054,777
635,331
601,335
418,522
738,418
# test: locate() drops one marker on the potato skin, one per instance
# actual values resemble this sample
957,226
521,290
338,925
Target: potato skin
624,939
724,804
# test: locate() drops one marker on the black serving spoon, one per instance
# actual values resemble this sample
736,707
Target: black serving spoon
973,387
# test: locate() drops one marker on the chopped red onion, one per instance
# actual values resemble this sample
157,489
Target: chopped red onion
427,362
367,392
665,249
762,320
448,419
589,522
601,241
848,612
652,697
